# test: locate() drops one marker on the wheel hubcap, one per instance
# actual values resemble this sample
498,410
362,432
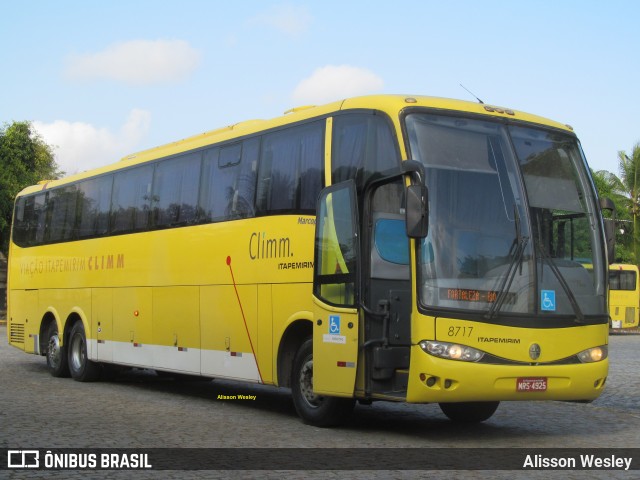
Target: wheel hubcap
306,384
77,352
53,351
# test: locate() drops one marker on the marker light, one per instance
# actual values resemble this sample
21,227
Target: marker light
451,351
595,354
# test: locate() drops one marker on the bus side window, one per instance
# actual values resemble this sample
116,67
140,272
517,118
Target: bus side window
21,219
290,169
227,191
175,190
363,144
208,195
39,218
94,203
61,214
244,186
131,200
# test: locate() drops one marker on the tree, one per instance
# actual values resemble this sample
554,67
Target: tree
630,188
25,159
610,186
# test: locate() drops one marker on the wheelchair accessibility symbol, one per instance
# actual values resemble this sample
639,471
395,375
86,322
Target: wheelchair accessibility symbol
548,300
334,324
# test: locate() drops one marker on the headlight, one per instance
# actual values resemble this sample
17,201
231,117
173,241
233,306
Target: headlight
595,354
451,351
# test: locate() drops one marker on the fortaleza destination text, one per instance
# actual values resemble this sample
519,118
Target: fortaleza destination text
581,461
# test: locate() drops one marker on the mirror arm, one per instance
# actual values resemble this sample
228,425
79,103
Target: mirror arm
414,167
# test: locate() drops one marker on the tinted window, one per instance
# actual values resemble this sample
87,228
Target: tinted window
622,280
290,172
175,190
37,221
228,181
21,222
130,203
336,246
363,144
230,155
217,184
61,214
94,197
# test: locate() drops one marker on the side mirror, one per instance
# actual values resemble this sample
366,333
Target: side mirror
417,211
609,227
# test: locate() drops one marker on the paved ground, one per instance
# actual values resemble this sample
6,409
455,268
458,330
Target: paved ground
141,410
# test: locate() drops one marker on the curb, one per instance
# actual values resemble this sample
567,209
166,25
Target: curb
613,331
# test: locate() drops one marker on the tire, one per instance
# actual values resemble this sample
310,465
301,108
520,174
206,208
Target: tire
469,412
81,368
315,409
56,354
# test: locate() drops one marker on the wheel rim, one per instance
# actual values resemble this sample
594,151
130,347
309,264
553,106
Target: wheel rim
306,384
53,351
77,355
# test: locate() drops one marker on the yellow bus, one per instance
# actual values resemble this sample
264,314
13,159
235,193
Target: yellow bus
624,296
396,248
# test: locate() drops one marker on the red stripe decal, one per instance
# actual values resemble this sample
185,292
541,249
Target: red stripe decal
347,364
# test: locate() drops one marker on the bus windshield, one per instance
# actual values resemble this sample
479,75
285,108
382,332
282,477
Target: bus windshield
513,225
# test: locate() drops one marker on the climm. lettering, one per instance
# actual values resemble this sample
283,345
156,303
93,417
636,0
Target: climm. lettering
261,246
105,262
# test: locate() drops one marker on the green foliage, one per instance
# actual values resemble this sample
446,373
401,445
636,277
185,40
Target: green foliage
610,186
629,167
625,192
25,159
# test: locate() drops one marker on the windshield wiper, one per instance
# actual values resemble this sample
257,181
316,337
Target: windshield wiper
563,283
516,252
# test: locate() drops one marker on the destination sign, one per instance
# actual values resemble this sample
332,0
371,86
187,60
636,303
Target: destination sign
473,295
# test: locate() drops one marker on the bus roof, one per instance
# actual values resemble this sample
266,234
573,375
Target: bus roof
623,266
392,104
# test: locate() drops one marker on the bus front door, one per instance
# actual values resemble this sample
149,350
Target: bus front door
386,290
336,317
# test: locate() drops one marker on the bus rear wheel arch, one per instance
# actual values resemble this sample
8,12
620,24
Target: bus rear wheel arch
81,368
294,336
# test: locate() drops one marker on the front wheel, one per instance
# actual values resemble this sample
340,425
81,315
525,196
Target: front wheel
315,409
81,368
469,412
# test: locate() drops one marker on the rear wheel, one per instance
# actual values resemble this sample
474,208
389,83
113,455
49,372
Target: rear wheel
56,353
81,368
315,409
469,412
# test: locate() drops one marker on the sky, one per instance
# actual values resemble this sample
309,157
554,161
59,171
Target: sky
102,79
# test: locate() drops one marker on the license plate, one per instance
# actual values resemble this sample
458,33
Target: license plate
536,384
